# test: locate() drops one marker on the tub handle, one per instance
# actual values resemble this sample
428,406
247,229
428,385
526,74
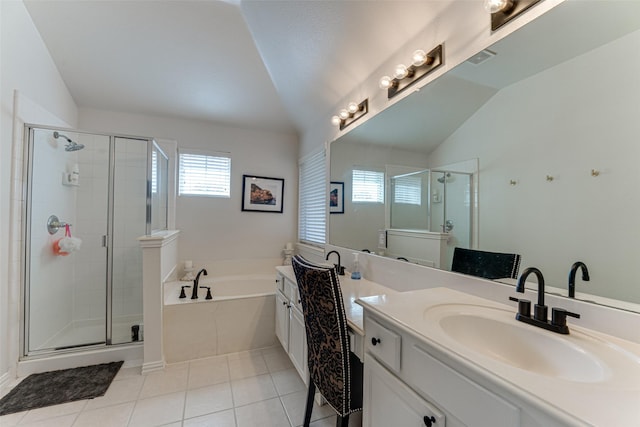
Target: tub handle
182,294
208,288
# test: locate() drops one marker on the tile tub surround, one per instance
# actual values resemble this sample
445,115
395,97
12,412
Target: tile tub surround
229,323
248,389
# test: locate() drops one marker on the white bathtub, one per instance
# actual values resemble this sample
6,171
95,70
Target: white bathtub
240,317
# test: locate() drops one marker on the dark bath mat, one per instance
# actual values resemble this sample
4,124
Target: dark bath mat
56,387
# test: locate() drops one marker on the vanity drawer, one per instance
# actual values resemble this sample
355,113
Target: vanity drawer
471,403
384,344
291,291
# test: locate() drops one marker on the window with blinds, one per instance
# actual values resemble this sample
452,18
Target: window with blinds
312,199
367,186
204,174
407,189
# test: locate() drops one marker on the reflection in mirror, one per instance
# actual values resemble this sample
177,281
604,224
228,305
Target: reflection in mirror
159,188
558,98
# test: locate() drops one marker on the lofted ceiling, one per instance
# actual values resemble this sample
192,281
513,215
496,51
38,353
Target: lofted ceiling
264,64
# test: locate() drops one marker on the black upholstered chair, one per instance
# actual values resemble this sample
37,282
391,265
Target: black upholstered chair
490,265
333,368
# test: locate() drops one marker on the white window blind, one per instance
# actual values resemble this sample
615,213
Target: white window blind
407,189
203,174
367,186
312,199
154,171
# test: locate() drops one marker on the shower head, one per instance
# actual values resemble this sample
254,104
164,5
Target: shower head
71,145
443,177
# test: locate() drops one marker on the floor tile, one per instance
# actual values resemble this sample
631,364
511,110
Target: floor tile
287,382
249,366
244,354
219,419
267,413
277,359
172,379
63,421
295,403
125,390
254,389
158,410
125,373
12,419
208,399
111,416
53,411
209,371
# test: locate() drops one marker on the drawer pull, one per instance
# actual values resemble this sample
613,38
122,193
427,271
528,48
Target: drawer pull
429,421
375,341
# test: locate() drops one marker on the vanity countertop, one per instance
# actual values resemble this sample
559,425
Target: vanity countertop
613,398
351,291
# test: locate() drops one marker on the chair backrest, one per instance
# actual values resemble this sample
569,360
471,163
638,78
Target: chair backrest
327,337
490,265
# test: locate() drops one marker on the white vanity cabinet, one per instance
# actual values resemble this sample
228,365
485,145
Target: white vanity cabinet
290,324
405,381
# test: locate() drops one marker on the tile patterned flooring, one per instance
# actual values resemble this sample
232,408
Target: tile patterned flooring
255,388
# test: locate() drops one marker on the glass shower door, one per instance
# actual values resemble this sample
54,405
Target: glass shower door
66,292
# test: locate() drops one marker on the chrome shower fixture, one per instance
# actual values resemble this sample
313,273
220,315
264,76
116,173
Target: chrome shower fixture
444,177
71,145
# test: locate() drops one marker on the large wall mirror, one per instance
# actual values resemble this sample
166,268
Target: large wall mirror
551,116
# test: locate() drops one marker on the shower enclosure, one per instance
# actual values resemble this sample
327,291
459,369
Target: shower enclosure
103,191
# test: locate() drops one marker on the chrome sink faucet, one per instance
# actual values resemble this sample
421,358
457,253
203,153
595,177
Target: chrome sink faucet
194,293
572,276
339,267
558,315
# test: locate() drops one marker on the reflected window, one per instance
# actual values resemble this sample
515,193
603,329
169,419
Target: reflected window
407,189
204,174
367,186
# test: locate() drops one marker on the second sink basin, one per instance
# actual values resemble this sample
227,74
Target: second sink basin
494,333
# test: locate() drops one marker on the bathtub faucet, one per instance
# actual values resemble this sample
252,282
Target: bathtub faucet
194,294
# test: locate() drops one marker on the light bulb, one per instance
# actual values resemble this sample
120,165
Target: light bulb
352,107
400,72
385,82
335,120
493,6
343,114
419,58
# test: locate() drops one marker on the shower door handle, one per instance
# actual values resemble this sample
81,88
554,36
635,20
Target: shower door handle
104,241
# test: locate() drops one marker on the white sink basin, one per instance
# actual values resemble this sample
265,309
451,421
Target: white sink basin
496,334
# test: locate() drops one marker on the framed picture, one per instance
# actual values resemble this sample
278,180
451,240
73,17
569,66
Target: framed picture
336,197
262,194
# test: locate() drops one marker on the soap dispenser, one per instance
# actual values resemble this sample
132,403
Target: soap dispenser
355,272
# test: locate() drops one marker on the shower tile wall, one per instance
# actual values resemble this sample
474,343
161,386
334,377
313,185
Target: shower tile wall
51,310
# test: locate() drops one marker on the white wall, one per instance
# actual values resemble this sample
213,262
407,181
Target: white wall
568,132
215,229
26,66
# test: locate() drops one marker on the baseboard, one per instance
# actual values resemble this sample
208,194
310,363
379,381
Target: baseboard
4,380
157,365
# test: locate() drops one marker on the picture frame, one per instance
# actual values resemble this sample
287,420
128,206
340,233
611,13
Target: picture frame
336,197
262,194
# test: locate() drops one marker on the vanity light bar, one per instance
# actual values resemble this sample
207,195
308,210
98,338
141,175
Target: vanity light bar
503,11
403,77
350,114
